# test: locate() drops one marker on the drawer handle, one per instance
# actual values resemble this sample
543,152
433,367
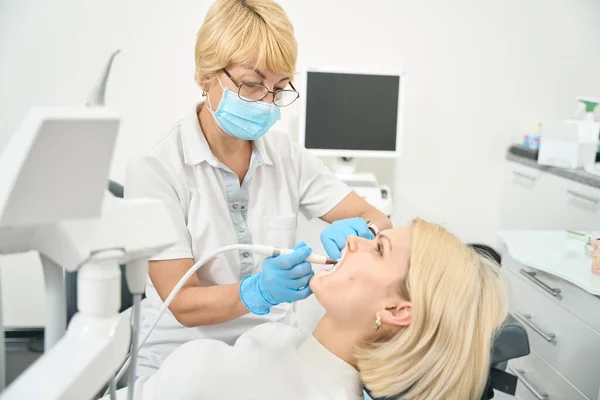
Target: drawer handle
523,175
521,376
526,319
531,276
591,199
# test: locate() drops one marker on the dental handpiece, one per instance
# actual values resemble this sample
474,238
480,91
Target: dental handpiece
275,251
313,258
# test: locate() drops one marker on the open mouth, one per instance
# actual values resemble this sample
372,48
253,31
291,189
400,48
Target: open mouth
333,268
329,271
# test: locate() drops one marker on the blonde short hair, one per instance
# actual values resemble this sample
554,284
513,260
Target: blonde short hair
257,33
458,304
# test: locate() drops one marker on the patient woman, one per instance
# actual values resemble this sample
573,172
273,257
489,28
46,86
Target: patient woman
411,315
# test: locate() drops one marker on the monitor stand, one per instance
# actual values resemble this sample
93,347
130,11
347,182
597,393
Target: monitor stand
365,184
344,166
345,169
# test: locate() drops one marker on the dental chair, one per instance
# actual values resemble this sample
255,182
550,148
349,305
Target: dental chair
511,342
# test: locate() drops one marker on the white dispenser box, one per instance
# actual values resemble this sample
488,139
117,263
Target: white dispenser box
569,144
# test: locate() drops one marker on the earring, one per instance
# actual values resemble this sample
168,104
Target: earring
378,322
204,93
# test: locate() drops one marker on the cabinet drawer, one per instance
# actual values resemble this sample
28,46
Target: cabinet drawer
533,199
537,378
520,205
580,204
564,341
571,297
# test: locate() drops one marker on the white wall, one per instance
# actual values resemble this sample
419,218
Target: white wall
479,73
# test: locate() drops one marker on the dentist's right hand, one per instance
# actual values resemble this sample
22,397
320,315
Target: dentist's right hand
283,279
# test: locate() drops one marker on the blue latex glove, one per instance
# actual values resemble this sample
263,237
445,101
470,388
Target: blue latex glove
283,279
335,235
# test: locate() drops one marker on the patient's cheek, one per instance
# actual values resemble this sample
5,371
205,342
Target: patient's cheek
343,252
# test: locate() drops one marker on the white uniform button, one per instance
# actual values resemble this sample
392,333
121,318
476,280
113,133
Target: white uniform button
243,207
235,206
246,254
242,228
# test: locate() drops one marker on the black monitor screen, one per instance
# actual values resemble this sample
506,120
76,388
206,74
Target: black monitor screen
351,111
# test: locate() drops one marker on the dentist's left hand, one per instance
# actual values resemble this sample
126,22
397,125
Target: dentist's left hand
283,279
335,235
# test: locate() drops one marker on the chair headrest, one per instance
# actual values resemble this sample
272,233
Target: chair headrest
511,342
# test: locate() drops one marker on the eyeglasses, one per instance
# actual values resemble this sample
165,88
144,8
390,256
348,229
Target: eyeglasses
252,92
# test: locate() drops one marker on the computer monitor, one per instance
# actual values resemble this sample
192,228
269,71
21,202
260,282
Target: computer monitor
351,114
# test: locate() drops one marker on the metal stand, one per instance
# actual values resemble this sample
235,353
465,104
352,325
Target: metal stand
2,347
56,303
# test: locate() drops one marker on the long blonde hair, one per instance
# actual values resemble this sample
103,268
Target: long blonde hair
257,33
458,303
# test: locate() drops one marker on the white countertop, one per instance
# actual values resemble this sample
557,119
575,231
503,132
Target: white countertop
555,253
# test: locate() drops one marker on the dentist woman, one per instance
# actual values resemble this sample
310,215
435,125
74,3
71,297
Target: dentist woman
227,179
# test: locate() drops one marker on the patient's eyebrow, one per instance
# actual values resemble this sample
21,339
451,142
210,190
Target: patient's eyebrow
381,235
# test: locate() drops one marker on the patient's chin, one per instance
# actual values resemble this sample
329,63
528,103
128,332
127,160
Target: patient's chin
322,275
318,282
315,284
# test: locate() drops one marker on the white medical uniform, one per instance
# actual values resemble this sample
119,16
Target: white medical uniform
211,209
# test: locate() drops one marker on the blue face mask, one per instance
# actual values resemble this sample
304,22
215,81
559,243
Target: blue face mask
243,119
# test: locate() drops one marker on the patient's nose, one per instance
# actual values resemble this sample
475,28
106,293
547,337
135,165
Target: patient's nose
354,243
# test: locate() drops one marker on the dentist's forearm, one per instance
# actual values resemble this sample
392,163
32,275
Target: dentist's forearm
355,206
195,304
198,306
376,217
